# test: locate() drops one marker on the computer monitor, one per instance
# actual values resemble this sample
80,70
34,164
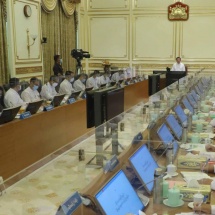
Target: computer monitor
181,115
166,137
9,114
174,125
103,85
200,86
117,197
57,100
88,89
75,94
195,96
187,105
120,81
173,76
191,100
112,83
33,107
144,166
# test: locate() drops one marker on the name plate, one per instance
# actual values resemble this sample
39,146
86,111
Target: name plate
25,115
48,108
138,138
71,100
70,205
111,164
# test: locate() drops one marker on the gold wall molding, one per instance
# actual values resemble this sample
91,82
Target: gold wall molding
163,66
27,78
28,70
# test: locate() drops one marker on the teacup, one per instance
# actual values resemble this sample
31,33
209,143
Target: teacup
174,197
206,108
195,138
171,169
198,198
195,117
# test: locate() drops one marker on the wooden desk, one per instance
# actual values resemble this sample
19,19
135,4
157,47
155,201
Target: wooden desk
135,93
24,142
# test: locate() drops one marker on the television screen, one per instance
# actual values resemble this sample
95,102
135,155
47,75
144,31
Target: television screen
181,115
174,125
118,197
144,166
166,137
173,76
187,105
114,103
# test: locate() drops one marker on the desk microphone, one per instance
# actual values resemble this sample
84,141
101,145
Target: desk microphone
162,153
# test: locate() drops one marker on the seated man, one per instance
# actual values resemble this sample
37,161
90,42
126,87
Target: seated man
2,106
178,66
117,76
93,81
66,86
12,98
30,94
104,79
79,83
48,90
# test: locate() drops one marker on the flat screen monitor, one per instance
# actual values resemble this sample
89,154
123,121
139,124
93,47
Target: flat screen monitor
174,125
191,100
181,115
144,166
9,114
198,90
200,86
159,72
33,107
114,103
195,96
89,89
117,197
187,105
103,85
120,81
166,137
113,83
173,76
57,100
75,94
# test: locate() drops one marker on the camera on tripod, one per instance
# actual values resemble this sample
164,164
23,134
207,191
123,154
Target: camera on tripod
79,54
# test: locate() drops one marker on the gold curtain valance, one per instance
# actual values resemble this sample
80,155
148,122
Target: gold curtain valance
68,7
48,5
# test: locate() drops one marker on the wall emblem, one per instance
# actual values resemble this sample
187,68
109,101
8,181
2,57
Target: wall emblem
178,12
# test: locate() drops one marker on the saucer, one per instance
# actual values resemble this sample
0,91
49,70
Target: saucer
166,202
173,175
190,205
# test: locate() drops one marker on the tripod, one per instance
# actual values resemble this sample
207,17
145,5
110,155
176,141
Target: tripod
79,68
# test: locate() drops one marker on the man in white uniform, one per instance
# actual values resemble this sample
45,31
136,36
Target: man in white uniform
30,94
79,83
48,90
66,86
178,66
93,81
104,79
12,98
117,76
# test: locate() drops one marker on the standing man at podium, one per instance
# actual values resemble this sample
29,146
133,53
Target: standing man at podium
178,66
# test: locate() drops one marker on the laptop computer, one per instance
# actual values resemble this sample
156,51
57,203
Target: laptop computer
103,85
166,137
118,197
88,89
174,125
187,105
180,114
57,100
75,94
33,107
144,166
192,100
9,114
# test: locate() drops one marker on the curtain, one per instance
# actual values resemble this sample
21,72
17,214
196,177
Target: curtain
61,39
4,72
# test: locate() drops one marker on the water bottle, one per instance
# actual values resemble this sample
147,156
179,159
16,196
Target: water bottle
158,187
189,122
169,153
184,135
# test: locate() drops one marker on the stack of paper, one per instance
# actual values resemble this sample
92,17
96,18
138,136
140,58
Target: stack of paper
194,175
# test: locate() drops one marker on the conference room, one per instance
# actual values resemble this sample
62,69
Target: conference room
107,107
